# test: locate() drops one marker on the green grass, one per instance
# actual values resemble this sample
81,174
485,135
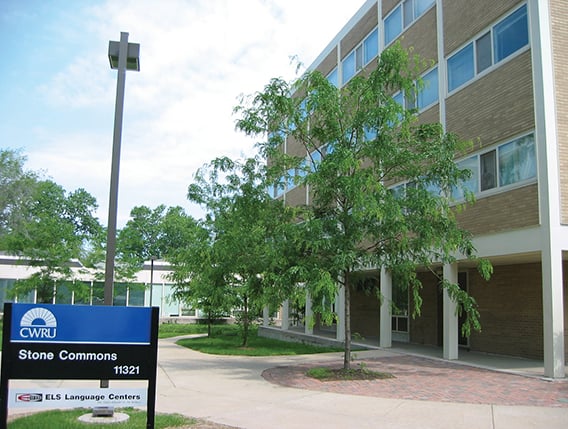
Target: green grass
167,330
226,340
67,419
340,374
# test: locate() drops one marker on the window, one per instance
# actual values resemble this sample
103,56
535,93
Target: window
403,15
483,52
371,45
511,34
488,170
517,161
333,78
505,38
429,93
393,25
360,56
460,67
471,184
509,163
348,67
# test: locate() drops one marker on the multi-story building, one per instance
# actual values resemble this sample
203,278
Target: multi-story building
500,79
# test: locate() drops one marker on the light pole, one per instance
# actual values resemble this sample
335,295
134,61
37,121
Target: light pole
152,258
122,56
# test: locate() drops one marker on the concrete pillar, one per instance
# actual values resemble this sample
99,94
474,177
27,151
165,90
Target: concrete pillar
340,310
309,316
286,315
385,334
451,325
265,316
552,233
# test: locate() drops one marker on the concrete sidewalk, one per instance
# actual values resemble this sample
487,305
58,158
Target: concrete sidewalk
230,390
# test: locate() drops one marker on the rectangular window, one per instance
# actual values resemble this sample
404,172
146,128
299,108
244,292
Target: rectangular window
421,6
348,67
471,184
460,67
358,58
483,52
511,34
488,170
332,78
429,93
408,10
517,161
371,45
393,25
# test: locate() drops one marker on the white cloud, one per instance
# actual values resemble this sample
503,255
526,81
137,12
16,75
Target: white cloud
197,56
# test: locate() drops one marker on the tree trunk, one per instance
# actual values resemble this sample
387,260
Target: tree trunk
209,323
347,352
245,322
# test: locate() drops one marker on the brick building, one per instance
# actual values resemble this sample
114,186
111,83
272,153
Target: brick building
500,79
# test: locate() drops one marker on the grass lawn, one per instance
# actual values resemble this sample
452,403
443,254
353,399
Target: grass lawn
67,419
226,340
167,330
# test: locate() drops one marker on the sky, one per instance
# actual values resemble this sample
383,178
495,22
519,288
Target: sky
57,91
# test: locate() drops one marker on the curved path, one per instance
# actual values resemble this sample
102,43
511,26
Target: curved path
426,393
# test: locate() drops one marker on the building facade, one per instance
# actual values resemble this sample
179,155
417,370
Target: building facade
500,79
150,287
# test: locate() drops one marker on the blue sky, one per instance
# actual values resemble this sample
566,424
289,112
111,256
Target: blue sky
57,91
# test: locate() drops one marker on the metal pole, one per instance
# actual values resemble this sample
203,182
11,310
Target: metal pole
151,278
113,198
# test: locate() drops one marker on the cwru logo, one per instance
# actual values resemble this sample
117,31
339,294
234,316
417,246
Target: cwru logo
38,323
29,397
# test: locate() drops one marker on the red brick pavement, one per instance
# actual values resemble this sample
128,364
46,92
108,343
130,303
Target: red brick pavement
432,380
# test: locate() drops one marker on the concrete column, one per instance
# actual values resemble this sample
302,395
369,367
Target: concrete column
286,315
340,310
265,316
309,316
552,232
450,315
385,334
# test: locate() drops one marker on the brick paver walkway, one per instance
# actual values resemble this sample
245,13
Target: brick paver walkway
426,379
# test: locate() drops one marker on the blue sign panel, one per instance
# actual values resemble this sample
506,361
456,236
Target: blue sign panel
46,323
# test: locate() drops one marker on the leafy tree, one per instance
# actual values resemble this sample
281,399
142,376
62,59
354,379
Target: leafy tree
16,188
360,142
54,229
231,264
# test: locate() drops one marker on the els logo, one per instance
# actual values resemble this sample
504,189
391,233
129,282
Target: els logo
38,323
29,397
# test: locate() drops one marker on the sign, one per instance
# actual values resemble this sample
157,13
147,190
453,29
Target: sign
76,398
45,341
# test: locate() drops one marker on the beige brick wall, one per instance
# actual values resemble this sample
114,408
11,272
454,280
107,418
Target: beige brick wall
464,19
510,306
329,62
495,107
559,12
355,36
365,313
424,329
501,212
421,38
296,197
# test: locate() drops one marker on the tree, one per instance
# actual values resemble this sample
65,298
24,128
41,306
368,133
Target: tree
233,261
54,228
16,188
360,143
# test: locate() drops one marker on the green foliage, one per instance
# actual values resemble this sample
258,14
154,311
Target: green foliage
360,143
236,258
44,224
151,234
67,419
